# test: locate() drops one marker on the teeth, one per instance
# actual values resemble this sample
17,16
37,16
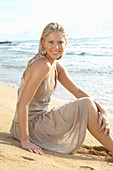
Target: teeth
55,52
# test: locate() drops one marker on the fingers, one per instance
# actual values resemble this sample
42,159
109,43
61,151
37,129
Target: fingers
100,119
31,147
104,125
107,130
36,150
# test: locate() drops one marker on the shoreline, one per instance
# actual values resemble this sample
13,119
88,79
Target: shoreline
60,100
92,155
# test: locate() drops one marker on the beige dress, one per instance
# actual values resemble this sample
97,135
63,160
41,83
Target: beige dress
60,129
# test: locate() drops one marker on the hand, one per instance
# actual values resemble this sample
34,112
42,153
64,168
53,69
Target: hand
32,147
104,124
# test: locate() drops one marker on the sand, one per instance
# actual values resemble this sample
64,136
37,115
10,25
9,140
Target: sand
91,156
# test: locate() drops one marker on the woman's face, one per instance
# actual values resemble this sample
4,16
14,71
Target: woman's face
54,45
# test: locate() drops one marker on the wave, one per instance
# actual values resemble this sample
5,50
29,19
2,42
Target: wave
70,53
89,71
22,50
13,67
73,53
98,54
21,47
82,53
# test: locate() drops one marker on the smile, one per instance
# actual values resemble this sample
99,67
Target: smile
55,52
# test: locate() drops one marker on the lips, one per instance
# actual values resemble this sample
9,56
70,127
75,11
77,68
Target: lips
55,52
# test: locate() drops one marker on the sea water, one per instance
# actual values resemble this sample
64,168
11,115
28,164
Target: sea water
89,62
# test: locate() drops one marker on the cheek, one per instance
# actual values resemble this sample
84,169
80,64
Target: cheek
49,46
63,47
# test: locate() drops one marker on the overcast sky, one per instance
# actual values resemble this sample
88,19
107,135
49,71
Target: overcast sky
25,19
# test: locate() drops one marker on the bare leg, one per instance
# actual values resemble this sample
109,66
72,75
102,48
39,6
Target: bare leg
93,126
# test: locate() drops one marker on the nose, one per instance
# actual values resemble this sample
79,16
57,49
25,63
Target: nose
56,46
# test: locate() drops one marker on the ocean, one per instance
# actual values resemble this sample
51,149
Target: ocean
89,62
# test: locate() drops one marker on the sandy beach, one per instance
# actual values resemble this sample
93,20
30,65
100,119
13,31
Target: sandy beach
91,156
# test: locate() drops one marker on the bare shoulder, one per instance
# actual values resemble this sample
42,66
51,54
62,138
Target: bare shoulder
39,68
43,64
59,67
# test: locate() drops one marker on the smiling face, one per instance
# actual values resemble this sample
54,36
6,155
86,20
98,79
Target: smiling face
54,44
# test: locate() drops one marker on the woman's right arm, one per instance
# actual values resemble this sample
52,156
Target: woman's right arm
34,77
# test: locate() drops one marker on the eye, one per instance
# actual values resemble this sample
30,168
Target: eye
61,42
51,42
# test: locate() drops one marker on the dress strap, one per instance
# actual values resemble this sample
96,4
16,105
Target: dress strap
32,61
56,70
35,58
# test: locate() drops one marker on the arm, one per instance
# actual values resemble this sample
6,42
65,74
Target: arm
33,76
66,81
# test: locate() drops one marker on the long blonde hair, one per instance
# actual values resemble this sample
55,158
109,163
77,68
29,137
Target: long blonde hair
51,27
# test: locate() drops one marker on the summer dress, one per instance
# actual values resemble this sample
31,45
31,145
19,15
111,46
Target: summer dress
61,129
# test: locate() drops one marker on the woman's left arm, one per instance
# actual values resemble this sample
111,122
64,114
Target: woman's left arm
66,81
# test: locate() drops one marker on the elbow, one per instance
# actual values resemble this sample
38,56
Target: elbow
21,106
18,106
22,110
79,93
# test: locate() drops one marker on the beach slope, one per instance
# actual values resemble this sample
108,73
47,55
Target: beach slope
91,156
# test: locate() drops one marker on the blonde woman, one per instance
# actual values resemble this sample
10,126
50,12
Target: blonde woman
60,129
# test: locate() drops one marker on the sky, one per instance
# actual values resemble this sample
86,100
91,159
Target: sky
26,19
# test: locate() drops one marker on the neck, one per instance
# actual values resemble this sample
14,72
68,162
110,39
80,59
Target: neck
51,61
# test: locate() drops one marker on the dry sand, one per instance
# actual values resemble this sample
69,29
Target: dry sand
91,156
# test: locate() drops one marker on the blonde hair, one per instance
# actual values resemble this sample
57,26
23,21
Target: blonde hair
51,27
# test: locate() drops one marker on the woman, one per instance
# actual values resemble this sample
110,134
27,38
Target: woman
60,129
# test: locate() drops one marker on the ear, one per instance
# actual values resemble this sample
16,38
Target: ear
43,43
65,43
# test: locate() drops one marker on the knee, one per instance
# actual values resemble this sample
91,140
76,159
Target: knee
89,102
91,105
